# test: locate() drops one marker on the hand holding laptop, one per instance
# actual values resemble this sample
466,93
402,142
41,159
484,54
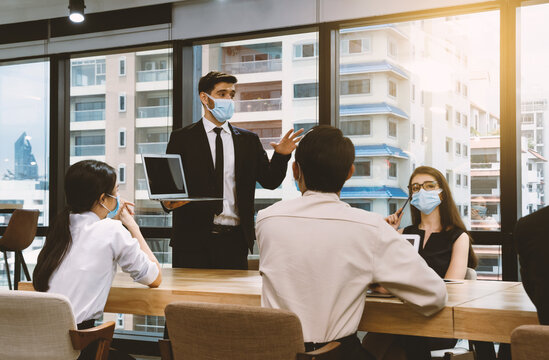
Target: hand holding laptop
174,204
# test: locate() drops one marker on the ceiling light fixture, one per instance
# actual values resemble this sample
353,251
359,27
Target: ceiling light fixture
76,10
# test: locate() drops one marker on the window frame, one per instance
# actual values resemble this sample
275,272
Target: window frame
392,121
389,176
122,135
363,160
122,65
122,101
122,170
391,80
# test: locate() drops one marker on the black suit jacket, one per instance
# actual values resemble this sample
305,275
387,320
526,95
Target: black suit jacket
192,222
532,243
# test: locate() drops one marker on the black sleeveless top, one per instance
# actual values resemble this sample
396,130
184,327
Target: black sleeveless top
437,253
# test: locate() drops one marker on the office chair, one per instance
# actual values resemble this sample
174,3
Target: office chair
36,325
201,331
18,236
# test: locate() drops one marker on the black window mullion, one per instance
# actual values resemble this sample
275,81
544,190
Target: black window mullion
328,75
187,88
510,191
177,85
59,131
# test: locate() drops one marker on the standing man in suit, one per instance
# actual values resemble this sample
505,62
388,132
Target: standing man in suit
221,161
532,244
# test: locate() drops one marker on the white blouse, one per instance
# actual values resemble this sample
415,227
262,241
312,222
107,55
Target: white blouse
86,272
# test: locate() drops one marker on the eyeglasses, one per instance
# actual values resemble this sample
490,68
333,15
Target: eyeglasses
427,186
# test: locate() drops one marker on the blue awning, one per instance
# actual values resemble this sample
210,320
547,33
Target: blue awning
371,109
373,192
380,150
372,67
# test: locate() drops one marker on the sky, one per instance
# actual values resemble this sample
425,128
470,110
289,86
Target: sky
24,107
534,38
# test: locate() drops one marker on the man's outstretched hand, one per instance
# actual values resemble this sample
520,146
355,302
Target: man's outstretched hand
288,143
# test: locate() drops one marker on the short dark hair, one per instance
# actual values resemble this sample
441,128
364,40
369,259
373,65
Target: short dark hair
208,81
325,156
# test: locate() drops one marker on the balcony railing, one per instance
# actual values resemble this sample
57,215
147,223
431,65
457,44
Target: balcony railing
258,105
154,111
154,75
248,67
88,150
152,148
87,115
485,166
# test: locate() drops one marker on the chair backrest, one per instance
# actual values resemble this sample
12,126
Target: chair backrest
470,274
21,230
202,331
35,325
253,264
530,342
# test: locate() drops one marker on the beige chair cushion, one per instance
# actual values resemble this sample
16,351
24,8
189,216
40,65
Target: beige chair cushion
202,331
35,325
470,274
529,342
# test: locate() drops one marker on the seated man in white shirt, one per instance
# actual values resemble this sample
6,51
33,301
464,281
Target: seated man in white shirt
318,254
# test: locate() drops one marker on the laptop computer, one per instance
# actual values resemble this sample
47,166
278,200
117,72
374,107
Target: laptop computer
412,239
166,179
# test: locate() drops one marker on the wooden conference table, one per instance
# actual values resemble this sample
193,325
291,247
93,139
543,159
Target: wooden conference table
476,310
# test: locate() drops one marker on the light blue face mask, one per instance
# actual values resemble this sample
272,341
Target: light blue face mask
426,201
481,210
113,213
223,109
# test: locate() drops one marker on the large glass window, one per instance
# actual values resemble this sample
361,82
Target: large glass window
24,146
277,90
534,95
453,63
117,118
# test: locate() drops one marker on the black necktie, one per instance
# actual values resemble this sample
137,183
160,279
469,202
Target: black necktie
218,170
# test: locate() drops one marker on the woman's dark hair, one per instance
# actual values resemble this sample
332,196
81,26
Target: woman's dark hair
325,156
85,182
208,81
449,215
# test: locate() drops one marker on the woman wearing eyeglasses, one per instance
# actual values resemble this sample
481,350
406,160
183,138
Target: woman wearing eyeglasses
444,244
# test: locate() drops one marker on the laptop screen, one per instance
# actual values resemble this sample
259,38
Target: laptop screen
165,175
412,239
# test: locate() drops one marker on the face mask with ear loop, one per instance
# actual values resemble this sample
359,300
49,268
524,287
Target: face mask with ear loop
426,201
112,213
223,109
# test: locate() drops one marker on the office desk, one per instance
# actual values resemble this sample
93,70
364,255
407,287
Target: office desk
392,316
386,315
493,317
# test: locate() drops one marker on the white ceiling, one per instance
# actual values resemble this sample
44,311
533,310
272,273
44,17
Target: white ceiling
12,11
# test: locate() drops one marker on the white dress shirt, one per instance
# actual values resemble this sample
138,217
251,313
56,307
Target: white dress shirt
86,272
318,255
229,215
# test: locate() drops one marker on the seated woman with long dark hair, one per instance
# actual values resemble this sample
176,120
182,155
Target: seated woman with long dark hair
94,233
446,247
